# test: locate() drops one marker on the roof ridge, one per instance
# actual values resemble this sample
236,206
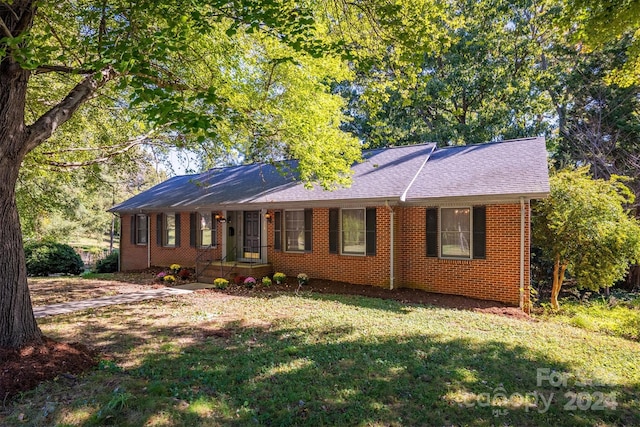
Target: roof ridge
403,197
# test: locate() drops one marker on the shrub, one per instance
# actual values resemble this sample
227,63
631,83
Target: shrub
184,274
220,283
279,277
108,264
160,276
238,280
303,279
266,281
44,258
250,282
169,278
175,268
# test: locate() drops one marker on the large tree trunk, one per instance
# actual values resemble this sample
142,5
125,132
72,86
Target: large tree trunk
17,322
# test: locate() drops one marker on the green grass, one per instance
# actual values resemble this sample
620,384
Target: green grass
313,360
619,316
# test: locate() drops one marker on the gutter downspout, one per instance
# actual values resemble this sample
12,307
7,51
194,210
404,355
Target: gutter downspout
392,244
149,240
404,195
119,242
522,226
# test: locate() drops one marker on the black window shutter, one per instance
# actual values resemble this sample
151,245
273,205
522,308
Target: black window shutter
133,229
193,227
334,231
277,230
159,230
370,238
308,229
177,230
479,232
432,232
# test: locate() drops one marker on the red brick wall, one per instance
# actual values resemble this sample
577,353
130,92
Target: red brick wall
495,278
134,257
319,263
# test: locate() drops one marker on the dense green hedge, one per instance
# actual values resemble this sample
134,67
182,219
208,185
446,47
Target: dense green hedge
44,258
109,264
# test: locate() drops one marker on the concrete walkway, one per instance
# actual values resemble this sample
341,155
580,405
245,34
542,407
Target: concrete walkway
129,297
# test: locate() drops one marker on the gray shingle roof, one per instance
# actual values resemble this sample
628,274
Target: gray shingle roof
516,167
510,168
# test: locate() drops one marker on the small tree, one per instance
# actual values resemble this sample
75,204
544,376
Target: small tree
585,229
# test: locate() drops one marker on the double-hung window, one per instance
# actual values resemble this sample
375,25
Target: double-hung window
456,232
139,229
294,230
168,229
206,229
353,232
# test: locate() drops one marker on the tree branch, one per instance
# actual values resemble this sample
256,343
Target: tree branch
125,147
5,29
44,127
62,69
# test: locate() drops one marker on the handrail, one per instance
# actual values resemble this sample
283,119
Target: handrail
223,259
200,253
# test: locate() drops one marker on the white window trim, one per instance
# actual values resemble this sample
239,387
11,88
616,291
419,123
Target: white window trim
341,233
470,257
284,231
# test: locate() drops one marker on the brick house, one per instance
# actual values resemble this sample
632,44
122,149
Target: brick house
452,220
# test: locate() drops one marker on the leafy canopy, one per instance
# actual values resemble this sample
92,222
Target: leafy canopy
585,225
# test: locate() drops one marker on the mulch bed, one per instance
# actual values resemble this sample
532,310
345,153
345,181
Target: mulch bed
24,369
404,295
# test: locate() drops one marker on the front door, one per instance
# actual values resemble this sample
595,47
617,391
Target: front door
251,245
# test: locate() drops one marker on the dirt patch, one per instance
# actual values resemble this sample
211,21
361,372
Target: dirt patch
24,369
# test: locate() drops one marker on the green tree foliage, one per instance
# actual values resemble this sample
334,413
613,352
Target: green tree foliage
604,21
177,72
474,82
598,119
585,230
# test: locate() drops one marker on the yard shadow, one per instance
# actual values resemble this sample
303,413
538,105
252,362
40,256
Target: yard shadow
265,375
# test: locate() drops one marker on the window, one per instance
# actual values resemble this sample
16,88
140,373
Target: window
139,229
455,232
202,229
353,232
206,229
170,230
294,230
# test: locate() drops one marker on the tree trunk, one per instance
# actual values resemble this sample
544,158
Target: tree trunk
17,322
558,277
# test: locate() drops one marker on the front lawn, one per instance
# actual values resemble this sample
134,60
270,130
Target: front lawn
212,359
